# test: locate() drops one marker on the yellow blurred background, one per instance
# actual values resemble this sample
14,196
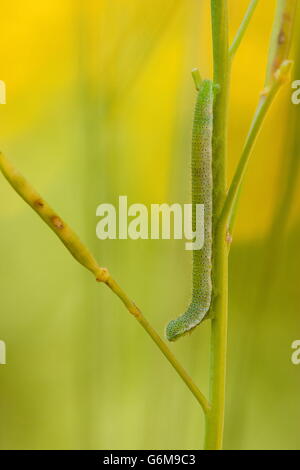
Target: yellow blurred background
99,104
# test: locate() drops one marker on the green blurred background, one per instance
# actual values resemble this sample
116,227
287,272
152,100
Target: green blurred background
99,104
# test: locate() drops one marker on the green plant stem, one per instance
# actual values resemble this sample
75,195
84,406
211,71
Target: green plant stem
243,28
230,207
215,417
79,251
219,14
134,310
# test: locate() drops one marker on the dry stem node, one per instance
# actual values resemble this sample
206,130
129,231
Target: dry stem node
102,275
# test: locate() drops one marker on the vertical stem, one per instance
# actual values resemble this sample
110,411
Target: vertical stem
221,79
215,417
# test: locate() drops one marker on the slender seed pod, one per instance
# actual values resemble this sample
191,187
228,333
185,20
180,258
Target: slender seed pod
52,219
202,183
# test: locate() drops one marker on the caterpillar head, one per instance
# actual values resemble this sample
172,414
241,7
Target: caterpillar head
174,329
186,322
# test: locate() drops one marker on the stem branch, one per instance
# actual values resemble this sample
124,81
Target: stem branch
243,28
277,73
81,253
268,95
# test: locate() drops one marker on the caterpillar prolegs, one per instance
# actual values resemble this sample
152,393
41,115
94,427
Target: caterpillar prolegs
202,185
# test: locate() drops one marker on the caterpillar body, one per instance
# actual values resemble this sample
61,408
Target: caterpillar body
202,186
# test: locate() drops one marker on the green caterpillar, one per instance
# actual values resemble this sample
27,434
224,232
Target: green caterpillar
202,185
